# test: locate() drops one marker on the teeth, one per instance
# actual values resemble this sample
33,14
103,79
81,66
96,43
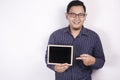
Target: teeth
76,22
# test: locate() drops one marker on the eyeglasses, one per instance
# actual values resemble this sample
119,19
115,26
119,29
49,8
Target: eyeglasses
74,15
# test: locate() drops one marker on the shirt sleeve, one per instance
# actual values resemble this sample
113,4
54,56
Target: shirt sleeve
98,54
48,65
51,41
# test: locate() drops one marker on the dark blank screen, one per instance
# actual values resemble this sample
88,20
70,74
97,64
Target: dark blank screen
60,54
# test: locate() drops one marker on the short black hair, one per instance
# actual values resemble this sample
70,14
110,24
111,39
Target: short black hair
76,3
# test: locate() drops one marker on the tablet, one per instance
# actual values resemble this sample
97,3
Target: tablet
60,54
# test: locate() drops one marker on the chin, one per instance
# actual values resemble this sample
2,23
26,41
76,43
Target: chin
76,28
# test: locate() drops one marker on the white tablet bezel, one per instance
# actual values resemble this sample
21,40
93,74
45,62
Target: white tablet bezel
59,46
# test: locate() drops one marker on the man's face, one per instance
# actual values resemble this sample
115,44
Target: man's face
76,17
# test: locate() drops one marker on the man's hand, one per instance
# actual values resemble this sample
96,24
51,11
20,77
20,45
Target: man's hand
61,67
87,59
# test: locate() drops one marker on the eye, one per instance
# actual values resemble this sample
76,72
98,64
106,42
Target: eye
72,15
82,14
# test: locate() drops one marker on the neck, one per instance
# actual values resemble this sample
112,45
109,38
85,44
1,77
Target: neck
75,32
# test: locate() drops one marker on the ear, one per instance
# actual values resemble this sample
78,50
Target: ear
86,15
66,15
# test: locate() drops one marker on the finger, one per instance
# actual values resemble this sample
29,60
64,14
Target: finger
67,64
65,67
64,64
82,58
57,64
78,58
84,55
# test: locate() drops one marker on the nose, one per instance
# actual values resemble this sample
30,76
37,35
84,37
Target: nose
77,17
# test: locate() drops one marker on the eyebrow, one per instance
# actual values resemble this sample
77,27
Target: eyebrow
75,13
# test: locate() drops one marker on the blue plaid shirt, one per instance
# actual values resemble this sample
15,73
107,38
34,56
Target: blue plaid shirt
86,42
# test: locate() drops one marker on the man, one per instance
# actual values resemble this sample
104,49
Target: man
87,49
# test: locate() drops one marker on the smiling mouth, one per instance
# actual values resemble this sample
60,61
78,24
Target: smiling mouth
76,23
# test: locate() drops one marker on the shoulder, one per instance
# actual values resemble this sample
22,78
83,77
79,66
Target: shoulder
90,33
59,31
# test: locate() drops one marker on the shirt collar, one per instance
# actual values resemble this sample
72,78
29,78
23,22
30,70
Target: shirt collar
82,32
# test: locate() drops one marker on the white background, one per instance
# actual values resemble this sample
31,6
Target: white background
25,27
